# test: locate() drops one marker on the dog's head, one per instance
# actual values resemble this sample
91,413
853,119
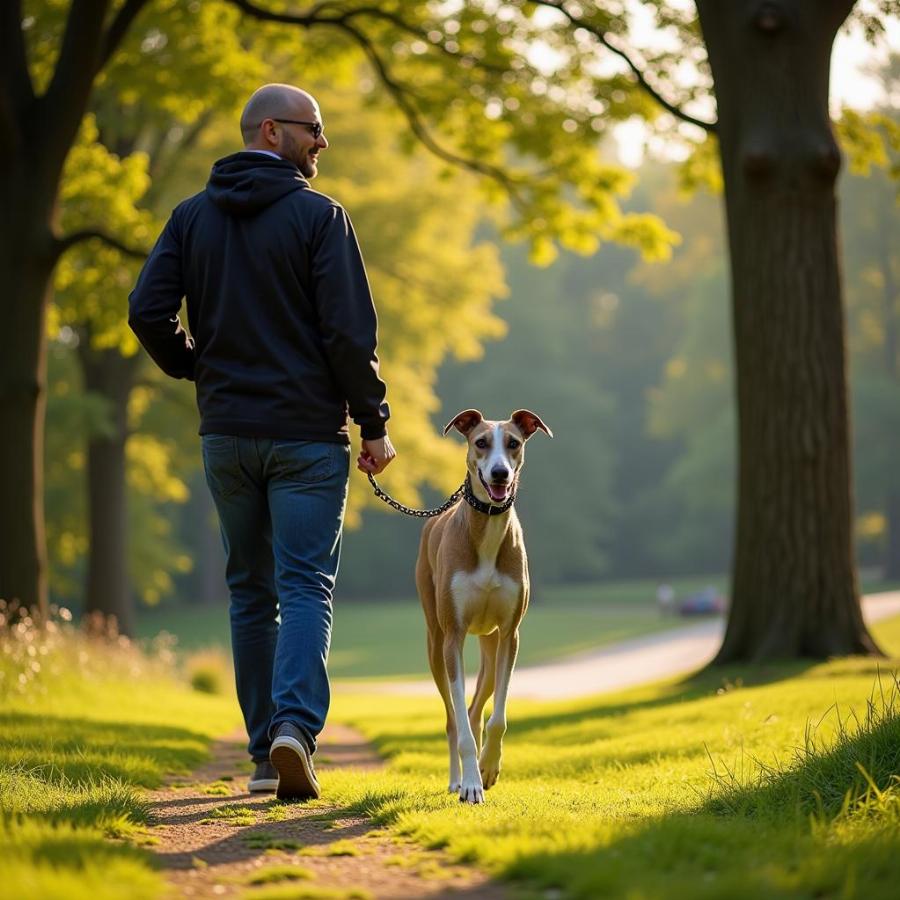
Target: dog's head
496,450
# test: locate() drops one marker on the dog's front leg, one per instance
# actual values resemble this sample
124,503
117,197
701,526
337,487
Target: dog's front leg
489,763
471,789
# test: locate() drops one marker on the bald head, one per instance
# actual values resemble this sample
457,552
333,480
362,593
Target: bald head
276,101
282,119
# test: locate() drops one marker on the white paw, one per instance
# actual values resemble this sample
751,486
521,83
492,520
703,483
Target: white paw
454,787
471,793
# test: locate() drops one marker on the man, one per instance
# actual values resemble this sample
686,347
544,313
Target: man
284,337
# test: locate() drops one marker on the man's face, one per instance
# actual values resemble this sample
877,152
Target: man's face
297,142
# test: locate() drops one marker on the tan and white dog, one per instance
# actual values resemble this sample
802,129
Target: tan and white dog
472,577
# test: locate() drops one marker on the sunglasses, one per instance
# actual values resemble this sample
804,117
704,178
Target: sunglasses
315,128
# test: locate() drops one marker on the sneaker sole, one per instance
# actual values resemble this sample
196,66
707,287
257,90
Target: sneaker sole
296,779
263,785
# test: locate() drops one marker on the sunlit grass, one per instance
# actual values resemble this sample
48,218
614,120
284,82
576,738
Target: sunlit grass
716,786
625,796
86,722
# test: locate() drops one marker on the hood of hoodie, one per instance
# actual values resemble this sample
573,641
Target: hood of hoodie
245,183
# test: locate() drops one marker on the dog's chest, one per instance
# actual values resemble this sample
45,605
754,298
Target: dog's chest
485,598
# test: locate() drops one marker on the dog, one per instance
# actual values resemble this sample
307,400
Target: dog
472,578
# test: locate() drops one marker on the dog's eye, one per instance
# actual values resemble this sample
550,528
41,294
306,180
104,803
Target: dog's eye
481,443
513,443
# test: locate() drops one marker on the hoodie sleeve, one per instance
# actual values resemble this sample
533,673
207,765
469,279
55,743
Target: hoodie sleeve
154,303
348,321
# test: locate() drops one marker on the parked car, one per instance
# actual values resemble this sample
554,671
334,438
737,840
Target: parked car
707,602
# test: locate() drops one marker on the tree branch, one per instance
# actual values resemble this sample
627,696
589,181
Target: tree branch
13,56
638,73
119,28
312,17
59,111
401,98
319,15
76,65
401,25
61,245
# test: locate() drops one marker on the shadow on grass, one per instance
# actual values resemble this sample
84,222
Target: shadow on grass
824,824
81,749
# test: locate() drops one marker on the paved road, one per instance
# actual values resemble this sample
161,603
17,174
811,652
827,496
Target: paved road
629,663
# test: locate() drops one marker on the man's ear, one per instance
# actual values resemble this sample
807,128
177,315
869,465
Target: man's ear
464,422
528,423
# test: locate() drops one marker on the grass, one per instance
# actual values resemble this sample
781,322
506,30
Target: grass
385,638
276,874
84,725
780,782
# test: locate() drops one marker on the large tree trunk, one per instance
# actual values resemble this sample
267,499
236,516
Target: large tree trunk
36,134
26,263
107,590
794,590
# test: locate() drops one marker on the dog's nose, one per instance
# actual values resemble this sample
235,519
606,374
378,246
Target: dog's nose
498,473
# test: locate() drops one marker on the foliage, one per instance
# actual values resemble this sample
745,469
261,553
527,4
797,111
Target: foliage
542,115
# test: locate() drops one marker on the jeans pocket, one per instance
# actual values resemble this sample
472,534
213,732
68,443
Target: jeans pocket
220,462
305,462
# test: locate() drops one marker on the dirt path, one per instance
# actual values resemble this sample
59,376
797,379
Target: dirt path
217,840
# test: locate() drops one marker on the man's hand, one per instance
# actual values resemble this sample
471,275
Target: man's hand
376,455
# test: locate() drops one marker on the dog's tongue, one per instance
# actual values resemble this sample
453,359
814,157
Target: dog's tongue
497,492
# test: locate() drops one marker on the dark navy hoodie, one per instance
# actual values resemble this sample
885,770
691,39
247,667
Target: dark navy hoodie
278,304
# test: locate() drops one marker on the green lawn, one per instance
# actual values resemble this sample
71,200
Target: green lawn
83,726
617,797
386,639
693,788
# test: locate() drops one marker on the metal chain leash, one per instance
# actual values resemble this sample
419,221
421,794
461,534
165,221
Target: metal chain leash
453,499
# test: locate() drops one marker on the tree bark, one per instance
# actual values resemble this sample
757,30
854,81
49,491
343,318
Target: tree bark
26,262
794,589
107,588
36,134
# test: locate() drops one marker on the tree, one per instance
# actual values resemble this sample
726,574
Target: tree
115,174
45,88
794,589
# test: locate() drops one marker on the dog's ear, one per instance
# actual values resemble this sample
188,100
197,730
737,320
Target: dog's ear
465,421
528,423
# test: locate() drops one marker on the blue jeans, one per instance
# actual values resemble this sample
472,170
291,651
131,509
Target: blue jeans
281,509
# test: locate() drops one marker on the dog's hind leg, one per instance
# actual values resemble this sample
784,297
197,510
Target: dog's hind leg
489,764
484,687
439,672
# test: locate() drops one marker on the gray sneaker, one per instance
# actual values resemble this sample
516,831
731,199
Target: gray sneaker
292,759
264,778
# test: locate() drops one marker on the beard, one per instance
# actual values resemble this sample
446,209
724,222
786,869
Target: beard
293,152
